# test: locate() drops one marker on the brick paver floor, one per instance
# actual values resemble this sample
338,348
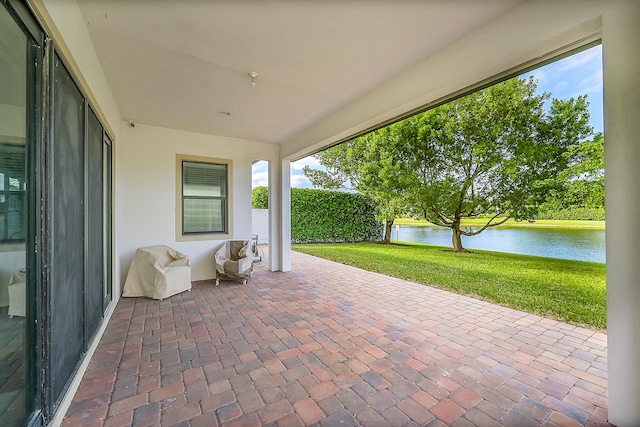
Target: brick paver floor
332,345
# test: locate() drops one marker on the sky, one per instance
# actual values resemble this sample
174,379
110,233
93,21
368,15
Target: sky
579,74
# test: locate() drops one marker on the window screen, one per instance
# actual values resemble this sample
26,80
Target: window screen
204,198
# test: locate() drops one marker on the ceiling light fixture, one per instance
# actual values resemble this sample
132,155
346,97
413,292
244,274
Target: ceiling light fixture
253,76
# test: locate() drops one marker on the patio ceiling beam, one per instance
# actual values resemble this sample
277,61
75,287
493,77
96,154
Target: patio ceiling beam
537,32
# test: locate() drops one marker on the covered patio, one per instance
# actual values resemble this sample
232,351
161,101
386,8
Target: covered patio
117,105
328,344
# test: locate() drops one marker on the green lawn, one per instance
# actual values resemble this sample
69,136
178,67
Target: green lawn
544,223
571,291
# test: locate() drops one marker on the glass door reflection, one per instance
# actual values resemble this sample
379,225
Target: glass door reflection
14,344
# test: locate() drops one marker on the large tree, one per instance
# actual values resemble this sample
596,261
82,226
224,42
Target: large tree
581,184
496,152
366,165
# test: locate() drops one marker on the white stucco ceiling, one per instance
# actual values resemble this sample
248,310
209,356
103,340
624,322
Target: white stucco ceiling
327,69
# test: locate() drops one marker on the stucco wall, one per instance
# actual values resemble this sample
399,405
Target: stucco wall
63,22
260,225
144,169
146,190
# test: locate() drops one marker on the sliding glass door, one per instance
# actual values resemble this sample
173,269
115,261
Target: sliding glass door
55,222
20,51
79,231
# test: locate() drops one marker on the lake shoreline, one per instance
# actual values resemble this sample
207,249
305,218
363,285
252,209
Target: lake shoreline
485,251
577,243
543,223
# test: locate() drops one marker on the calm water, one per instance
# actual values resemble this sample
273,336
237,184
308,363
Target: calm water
584,245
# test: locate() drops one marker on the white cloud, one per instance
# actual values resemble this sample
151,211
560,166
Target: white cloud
584,61
579,60
540,75
561,85
300,181
591,84
260,174
260,179
311,161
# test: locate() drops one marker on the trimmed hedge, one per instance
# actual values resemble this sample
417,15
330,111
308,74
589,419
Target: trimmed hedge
260,198
322,216
592,214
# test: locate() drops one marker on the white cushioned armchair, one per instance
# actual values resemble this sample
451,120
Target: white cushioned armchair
234,260
157,272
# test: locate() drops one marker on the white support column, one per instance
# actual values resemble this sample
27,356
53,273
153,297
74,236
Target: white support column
274,215
621,60
280,216
285,217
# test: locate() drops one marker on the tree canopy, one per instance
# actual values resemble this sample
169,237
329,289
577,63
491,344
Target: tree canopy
580,189
497,152
365,164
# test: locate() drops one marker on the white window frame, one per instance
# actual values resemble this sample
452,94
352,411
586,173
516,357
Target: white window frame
190,236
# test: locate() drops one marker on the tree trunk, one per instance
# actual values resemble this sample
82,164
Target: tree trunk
456,238
388,224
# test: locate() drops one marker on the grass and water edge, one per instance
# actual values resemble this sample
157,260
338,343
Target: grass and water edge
539,223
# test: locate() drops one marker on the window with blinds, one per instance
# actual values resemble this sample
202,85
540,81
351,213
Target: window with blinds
204,198
13,188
